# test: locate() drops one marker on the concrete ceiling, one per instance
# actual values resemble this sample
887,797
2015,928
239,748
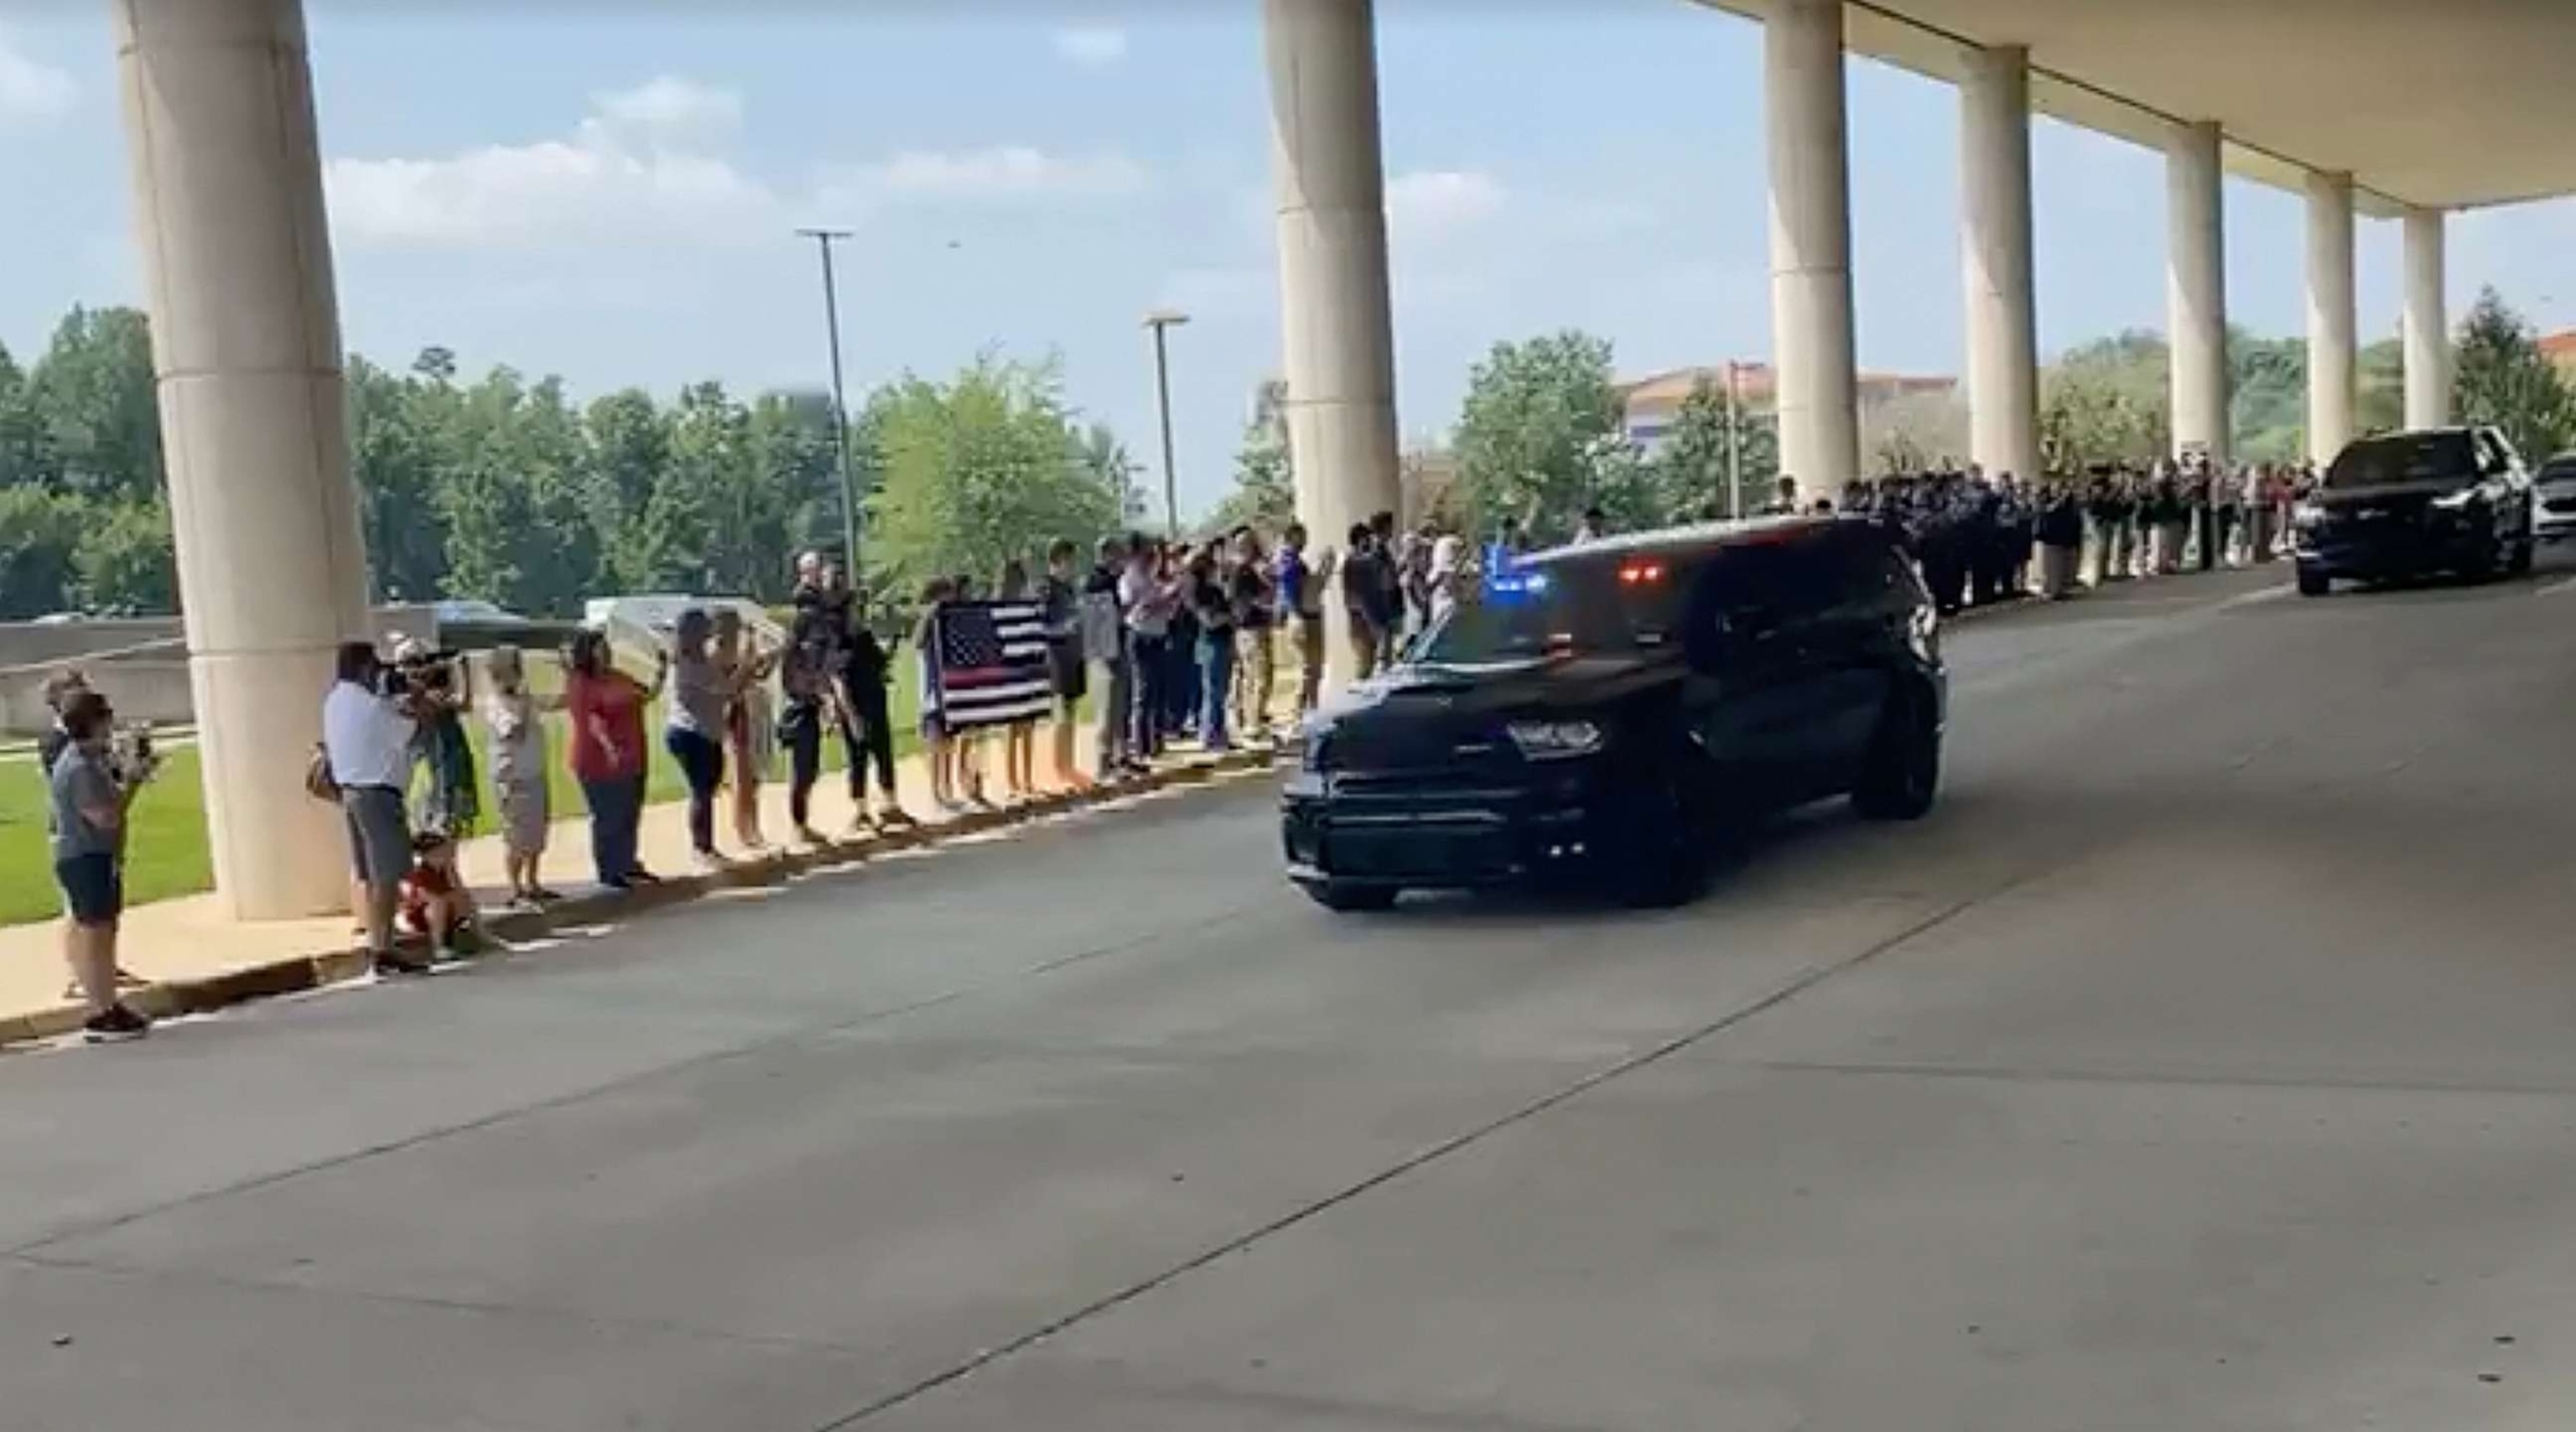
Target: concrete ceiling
2448,103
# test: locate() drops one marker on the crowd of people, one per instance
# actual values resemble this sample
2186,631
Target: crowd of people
1981,540
1161,641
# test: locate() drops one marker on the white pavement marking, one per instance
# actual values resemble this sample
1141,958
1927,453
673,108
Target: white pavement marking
2551,589
2247,599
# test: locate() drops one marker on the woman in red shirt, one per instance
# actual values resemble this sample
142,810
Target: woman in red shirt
608,751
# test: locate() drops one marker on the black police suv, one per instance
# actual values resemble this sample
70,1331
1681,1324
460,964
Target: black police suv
2415,503
1605,712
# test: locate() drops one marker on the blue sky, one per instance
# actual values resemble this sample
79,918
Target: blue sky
609,194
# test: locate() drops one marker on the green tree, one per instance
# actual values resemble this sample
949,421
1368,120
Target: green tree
791,439
124,561
978,470
2502,377
98,422
1691,462
630,445
397,468
2379,404
40,535
561,556
1530,439
1108,463
18,425
2085,418
1265,492
2268,397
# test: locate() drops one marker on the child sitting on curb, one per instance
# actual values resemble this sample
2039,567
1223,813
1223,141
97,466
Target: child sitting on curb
435,900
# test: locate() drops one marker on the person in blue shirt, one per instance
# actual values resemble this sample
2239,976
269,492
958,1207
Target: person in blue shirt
1301,586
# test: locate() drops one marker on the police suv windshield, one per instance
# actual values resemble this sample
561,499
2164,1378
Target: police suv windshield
1580,608
2408,457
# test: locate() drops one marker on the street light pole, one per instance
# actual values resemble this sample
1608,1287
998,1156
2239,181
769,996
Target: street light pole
823,241
1734,446
1162,321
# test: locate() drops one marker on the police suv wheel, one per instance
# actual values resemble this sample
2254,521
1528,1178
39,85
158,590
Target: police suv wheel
1901,776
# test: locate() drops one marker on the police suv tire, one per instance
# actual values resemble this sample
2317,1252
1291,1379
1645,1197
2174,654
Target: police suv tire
1901,776
2314,583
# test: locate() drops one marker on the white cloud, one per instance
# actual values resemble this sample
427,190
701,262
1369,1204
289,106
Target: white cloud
1428,206
655,164
1092,46
669,109
643,165
30,91
1004,172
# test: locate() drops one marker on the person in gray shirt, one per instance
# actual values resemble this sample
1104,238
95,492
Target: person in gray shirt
87,826
694,729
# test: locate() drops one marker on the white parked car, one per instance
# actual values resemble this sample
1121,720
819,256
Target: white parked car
2553,499
645,622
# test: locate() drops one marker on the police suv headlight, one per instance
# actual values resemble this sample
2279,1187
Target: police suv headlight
1554,740
1318,745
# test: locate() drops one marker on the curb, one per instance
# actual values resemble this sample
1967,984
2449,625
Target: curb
298,973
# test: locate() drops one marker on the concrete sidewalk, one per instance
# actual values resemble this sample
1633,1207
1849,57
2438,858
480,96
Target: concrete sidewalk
195,958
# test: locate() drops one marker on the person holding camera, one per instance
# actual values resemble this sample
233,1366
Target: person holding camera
367,731
87,825
448,800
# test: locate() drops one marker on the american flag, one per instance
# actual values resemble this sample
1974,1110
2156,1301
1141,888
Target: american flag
990,662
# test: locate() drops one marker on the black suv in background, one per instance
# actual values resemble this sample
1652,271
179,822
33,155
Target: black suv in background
1605,712
2415,503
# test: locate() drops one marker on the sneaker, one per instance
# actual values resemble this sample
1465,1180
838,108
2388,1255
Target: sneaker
641,876
544,896
895,817
390,964
116,1024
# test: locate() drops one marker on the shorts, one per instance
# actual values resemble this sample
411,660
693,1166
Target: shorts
379,834
93,889
1067,676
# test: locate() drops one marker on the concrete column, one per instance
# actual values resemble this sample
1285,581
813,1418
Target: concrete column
1811,283
2196,290
2427,327
2003,326
2332,349
227,177
1334,314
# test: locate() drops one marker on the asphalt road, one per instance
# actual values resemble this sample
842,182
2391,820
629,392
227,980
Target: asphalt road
2208,1061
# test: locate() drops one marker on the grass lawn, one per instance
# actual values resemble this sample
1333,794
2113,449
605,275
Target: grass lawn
166,854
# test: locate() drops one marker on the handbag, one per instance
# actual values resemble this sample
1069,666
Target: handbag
318,781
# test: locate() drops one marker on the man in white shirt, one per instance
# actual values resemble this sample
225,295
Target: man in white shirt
366,737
